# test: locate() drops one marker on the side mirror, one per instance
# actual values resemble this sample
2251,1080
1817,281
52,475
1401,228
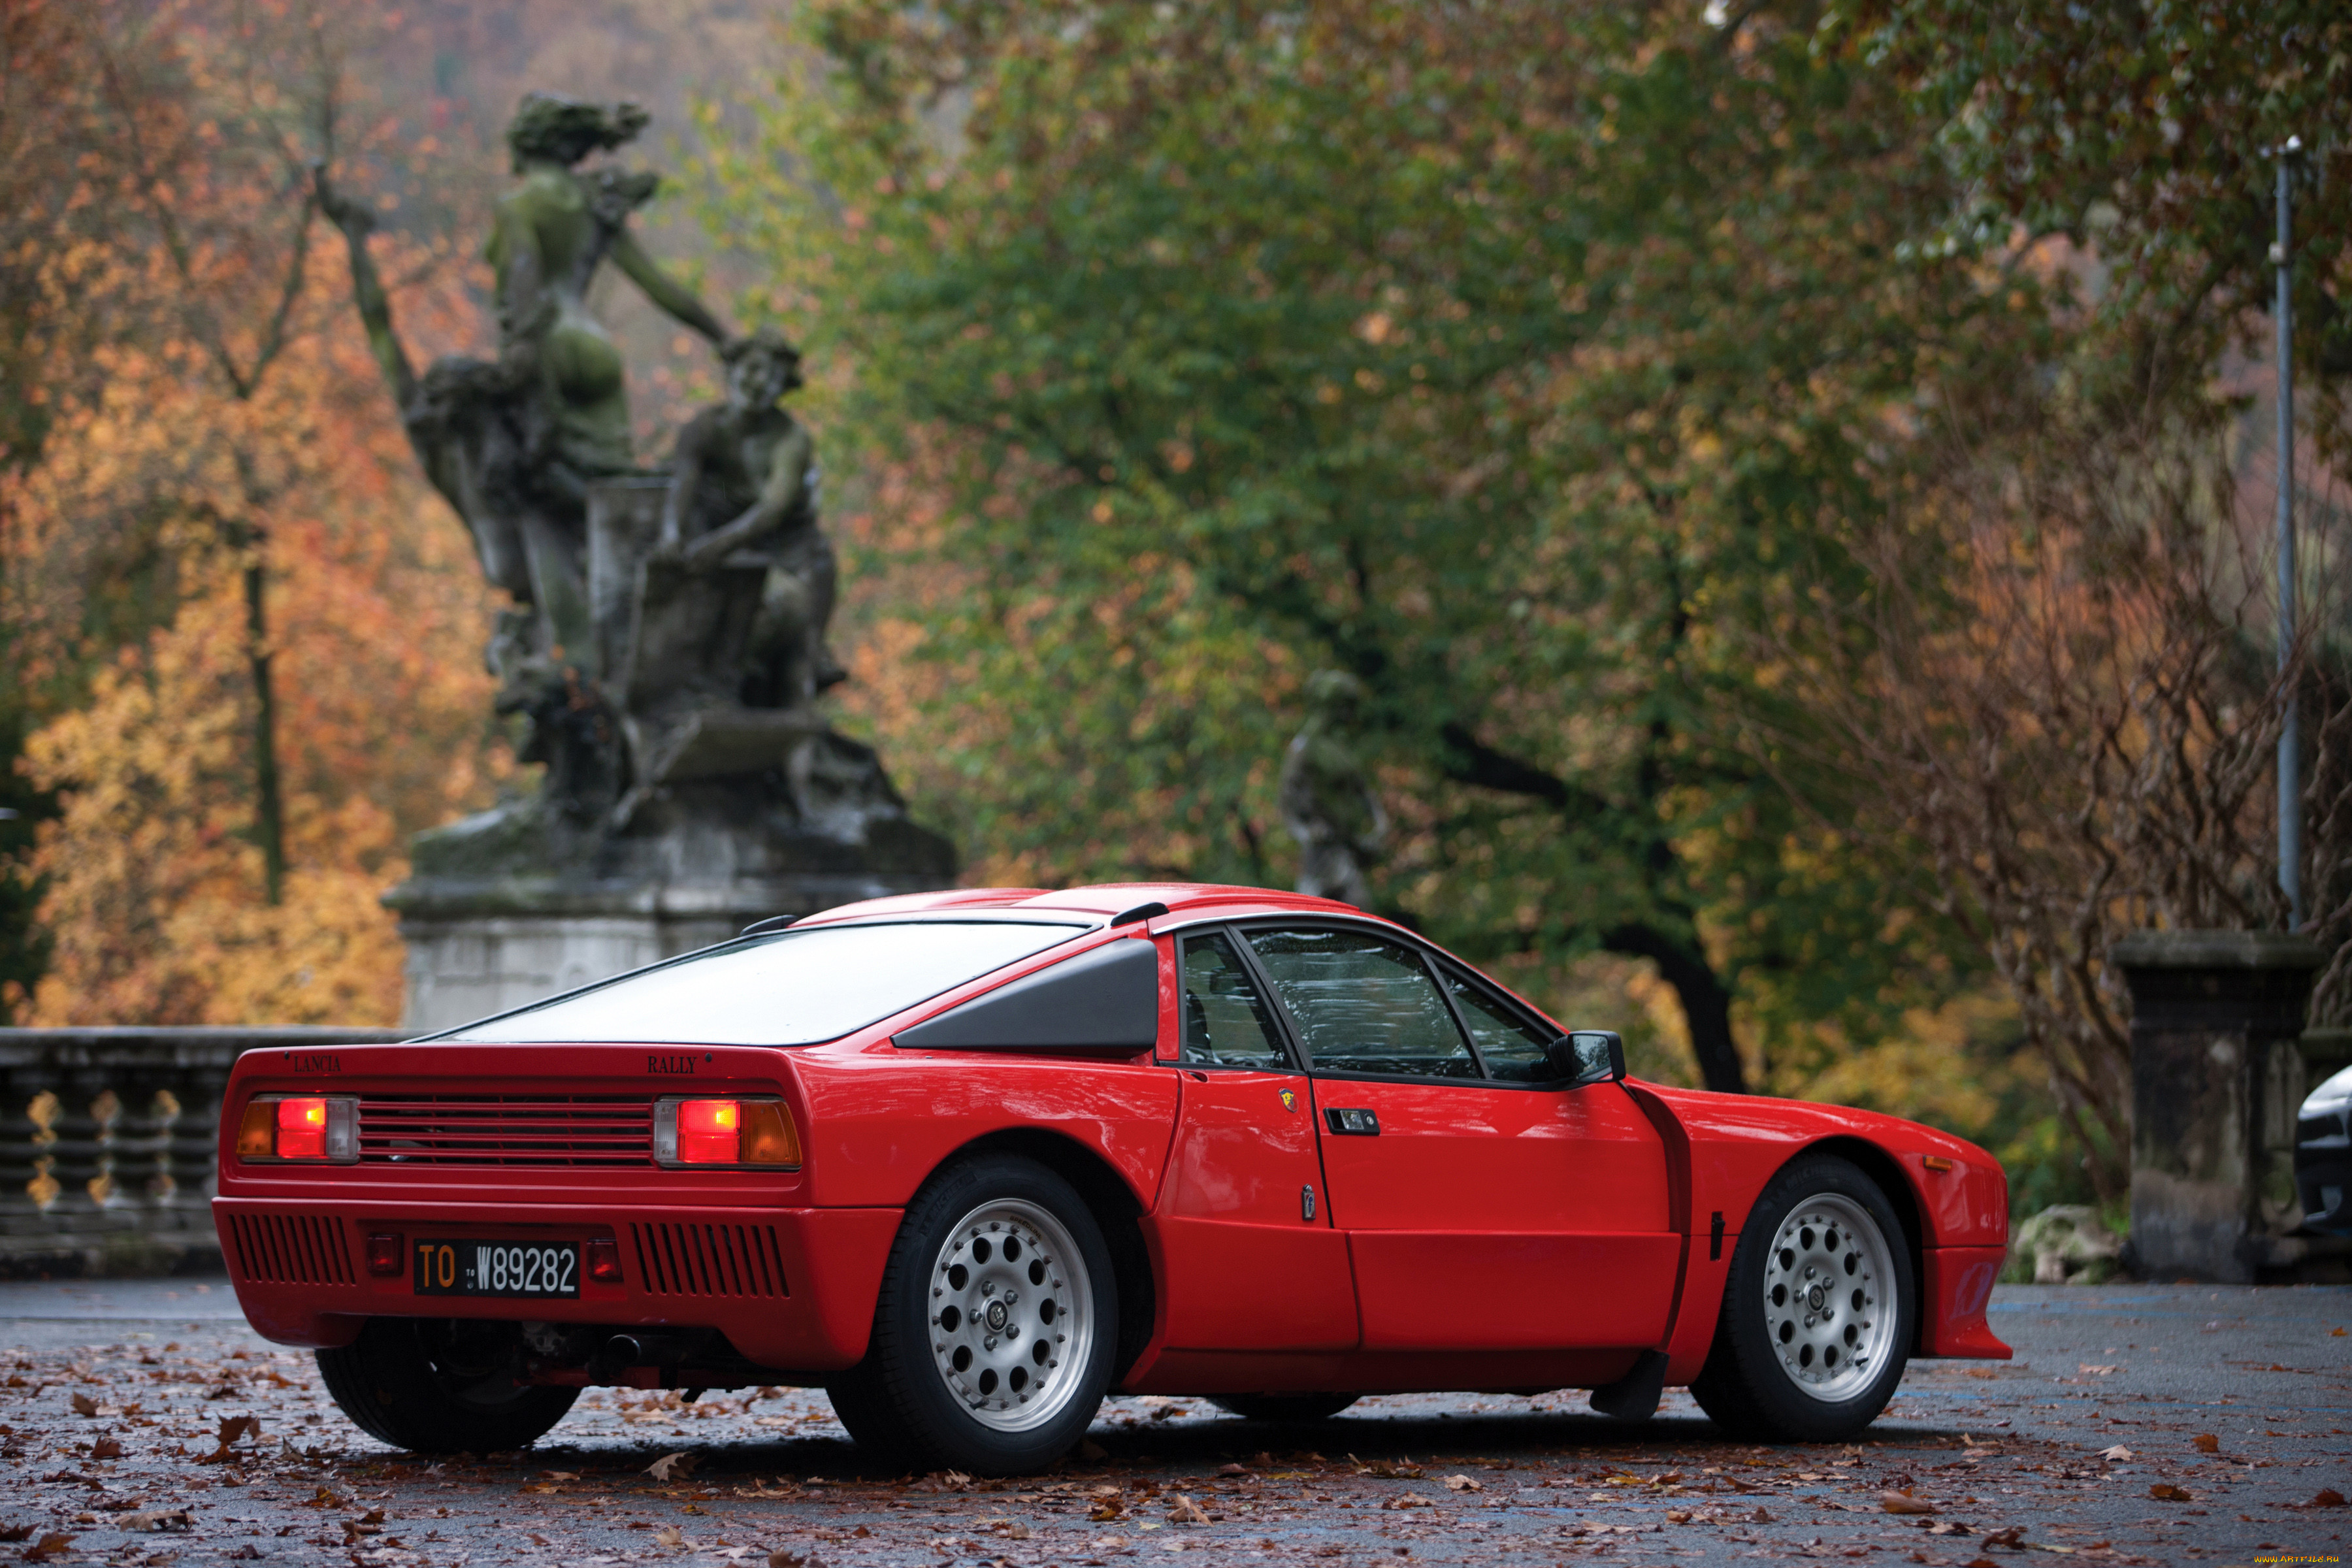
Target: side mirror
1588,1056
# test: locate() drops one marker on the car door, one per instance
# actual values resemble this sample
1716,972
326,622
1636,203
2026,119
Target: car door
1250,1259
1484,1208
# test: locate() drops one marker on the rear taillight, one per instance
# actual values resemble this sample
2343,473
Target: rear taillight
310,1128
725,1133
385,1254
604,1260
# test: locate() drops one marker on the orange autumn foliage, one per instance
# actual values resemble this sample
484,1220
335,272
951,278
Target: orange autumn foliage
376,617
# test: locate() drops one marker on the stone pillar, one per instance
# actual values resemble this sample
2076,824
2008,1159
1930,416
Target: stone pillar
2209,1010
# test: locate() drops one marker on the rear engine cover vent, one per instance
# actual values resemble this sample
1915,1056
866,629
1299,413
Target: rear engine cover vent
704,1259
291,1248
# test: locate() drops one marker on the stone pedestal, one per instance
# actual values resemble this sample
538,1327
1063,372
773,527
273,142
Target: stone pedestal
2216,1017
476,950
530,899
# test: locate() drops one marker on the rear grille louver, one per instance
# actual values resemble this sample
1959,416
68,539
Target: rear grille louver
292,1250
496,1130
708,1260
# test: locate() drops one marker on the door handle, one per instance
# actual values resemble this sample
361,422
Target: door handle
1353,1123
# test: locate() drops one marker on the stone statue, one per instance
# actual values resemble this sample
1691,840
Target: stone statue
745,480
1327,800
666,638
514,444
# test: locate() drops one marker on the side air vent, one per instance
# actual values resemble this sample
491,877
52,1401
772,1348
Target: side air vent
291,1248
1107,998
688,1259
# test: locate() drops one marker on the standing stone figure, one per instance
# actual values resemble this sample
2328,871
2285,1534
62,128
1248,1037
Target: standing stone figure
746,480
1326,799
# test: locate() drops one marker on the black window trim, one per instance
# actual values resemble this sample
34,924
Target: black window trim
1386,933
1285,1036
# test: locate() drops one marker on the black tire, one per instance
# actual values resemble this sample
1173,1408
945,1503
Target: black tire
1285,1407
1752,1384
436,1386
899,1403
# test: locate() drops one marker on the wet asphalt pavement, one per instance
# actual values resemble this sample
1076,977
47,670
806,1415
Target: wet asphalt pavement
2138,1423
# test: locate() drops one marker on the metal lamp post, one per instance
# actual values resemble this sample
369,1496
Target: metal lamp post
2290,760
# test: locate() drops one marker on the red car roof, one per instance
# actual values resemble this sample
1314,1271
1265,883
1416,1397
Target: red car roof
1095,899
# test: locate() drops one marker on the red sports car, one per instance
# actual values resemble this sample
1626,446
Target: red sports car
970,1160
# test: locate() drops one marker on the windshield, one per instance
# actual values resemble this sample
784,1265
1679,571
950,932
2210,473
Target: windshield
791,988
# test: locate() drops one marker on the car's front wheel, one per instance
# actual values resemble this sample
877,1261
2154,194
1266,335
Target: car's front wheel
995,1326
1818,1310
441,1387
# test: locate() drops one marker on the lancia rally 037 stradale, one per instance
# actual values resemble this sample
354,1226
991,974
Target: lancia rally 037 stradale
971,1161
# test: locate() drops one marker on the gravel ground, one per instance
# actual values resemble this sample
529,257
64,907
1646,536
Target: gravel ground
2138,1423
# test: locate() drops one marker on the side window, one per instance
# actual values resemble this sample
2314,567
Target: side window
1513,1047
1363,1004
1226,1022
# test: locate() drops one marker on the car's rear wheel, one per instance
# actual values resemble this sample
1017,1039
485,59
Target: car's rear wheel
441,1387
995,1326
1292,1407
1818,1311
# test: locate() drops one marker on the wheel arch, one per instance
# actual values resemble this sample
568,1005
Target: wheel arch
1117,1209
1883,1170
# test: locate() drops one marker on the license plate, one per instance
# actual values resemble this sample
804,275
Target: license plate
498,1269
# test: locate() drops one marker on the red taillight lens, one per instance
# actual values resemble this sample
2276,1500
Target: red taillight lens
604,1260
301,1130
385,1253
709,1131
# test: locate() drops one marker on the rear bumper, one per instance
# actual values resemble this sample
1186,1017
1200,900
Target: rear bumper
1955,1284
791,1289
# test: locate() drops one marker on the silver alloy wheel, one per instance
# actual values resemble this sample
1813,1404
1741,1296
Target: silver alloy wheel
1829,1303
1012,1315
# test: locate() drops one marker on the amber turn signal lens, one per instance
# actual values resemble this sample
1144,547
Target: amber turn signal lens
769,1136
257,1132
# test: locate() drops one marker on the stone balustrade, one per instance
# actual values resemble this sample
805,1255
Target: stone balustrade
108,1140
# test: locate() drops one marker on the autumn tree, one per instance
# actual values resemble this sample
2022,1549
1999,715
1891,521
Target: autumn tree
1503,356
254,645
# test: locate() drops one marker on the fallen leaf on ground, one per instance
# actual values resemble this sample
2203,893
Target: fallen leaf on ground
2013,1538
2118,1453
2087,1370
1232,1469
1759,1517
106,1448
232,1429
1091,1452
154,1518
1462,1484
1904,1502
562,1475
670,1535
785,1557
2207,1443
17,1532
84,1405
1677,1516
1187,1511
2165,1491
672,1466
1107,1511
48,1546
2329,1498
